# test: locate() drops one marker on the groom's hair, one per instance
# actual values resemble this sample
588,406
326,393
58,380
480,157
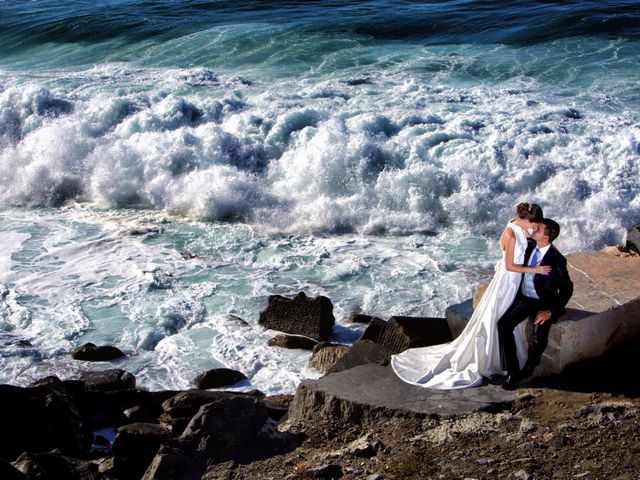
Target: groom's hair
551,229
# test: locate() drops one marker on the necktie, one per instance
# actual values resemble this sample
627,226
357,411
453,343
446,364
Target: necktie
534,257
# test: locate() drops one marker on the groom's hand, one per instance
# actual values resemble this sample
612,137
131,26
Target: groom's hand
541,317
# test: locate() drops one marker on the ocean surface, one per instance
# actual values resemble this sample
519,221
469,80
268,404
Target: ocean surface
165,166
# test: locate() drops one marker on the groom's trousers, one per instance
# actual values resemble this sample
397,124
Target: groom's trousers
522,308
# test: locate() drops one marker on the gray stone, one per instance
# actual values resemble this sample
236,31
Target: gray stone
301,315
325,355
372,391
458,315
633,238
94,353
218,377
361,353
402,333
293,342
171,463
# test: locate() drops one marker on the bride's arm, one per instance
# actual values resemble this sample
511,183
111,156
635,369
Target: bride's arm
508,244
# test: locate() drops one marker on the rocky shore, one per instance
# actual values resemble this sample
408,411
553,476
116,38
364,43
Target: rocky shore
356,422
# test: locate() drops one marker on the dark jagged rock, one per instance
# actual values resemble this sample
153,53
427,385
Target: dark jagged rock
374,330
226,429
218,377
301,315
633,238
458,315
9,472
325,355
94,353
361,318
135,447
108,380
54,466
171,463
292,341
402,333
361,353
40,418
180,409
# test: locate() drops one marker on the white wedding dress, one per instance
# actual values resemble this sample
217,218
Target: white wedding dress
475,354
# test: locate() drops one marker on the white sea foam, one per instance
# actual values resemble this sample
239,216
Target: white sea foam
394,154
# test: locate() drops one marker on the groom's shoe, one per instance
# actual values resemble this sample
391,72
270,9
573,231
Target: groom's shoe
512,382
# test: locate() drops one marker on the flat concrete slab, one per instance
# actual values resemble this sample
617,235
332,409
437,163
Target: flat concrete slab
374,391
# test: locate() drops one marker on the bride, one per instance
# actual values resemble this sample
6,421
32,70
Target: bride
475,354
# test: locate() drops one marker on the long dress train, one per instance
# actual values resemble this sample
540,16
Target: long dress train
474,354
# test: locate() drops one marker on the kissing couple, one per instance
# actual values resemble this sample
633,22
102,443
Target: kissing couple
531,281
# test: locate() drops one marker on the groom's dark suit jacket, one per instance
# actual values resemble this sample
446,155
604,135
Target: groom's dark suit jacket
556,288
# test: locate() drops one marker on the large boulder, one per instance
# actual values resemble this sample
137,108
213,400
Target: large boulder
95,353
40,418
108,380
301,315
292,342
633,238
135,446
361,353
226,429
180,409
402,333
218,377
325,355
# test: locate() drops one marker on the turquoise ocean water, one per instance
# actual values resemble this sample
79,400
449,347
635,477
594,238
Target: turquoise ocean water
168,165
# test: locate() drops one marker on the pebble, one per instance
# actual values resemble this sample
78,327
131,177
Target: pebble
523,475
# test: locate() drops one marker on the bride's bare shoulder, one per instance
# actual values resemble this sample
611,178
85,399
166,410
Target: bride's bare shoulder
506,236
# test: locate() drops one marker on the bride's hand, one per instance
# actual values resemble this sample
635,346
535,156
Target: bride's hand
541,269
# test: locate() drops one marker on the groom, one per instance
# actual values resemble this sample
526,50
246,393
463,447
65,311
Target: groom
541,297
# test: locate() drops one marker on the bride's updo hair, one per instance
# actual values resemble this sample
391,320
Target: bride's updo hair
531,212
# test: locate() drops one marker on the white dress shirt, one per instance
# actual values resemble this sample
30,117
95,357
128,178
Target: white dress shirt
528,289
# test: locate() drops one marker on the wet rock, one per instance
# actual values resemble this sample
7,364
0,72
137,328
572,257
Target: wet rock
293,342
325,355
633,238
135,446
94,353
218,377
301,315
402,333
360,353
108,380
374,330
40,418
